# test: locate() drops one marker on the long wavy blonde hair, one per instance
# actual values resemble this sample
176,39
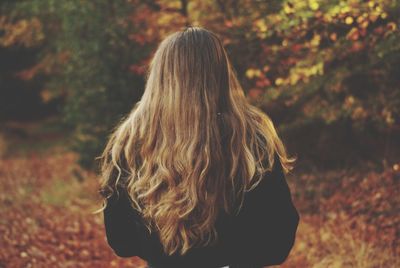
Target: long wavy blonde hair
192,145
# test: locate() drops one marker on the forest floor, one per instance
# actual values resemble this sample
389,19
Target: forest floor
349,218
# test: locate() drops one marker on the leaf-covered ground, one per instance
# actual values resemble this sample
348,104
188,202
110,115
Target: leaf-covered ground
47,218
348,219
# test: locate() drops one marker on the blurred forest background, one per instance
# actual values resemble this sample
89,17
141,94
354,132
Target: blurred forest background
327,72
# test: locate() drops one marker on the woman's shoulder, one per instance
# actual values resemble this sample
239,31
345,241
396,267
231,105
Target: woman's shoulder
274,174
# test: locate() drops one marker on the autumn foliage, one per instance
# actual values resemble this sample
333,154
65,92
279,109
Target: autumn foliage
327,72
306,63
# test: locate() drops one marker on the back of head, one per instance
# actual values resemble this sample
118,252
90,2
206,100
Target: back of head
193,144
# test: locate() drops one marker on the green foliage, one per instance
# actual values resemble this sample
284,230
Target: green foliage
101,87
92,45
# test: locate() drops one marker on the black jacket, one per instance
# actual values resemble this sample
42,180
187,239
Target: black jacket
263,232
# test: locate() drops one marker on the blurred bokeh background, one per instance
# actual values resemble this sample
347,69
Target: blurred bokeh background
326,71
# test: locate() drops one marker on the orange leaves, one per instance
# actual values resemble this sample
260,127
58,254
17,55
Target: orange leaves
359,113
363,21
297,48
279,81
354,34
138,69
387,115
355,108
47,65
349,20
347,218
396,167
391,26
261,81
260,26
348,103
46,95
255,93
228,23
354,222
27,32
39,234
315,41
252,73
333,36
